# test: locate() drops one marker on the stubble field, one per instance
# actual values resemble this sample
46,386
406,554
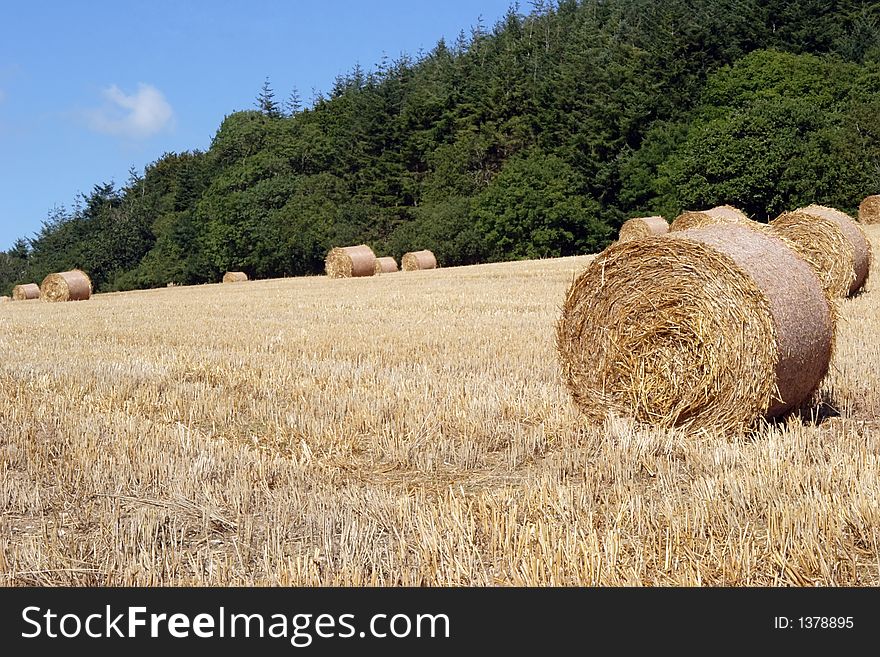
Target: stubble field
407,429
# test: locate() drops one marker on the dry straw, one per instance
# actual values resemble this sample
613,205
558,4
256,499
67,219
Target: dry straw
4,299
26,292
385,265
234,277
642,227
418,260
722,214
707,328
869,210
350,261
832,242
72,285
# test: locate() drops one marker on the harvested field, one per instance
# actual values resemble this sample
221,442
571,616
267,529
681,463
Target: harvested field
147,443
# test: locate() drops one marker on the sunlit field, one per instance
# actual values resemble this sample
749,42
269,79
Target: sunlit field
405,429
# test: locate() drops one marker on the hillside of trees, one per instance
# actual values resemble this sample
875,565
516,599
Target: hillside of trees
535,137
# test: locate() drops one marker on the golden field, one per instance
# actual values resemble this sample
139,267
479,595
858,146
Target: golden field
405,429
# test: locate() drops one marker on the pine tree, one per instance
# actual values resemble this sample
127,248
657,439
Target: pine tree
266,101
293,105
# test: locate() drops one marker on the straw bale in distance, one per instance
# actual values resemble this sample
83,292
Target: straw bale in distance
350,261
385,265
722,214
4,299
73,285
234,277
869,210
414,260
832,242
26,292
642,227
706,328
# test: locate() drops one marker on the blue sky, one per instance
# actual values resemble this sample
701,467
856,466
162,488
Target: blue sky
90,89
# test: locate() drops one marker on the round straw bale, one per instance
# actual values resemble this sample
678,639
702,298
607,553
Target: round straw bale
73,285
26,292
832,242
350,261
722,214
385,265
418,260
707,328
4,299
234,277
642,227
869,210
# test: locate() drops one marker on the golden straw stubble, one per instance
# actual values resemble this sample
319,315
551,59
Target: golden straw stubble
350,261
26,292
638,227
709,328
73,285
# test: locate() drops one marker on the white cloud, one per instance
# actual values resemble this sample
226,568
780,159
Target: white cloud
139,115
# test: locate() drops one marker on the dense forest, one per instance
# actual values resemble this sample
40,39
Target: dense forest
535,137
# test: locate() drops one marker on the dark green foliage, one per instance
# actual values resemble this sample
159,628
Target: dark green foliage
535,137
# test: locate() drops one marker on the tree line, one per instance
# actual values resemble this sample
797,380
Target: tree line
536,137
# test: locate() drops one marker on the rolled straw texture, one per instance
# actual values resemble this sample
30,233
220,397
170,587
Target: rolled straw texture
869,210
642,227
709,328
832,242
26,292
234,277
350,261
418,260
722,214
73,285
385,265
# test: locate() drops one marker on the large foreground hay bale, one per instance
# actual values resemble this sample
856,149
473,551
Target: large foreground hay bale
832,242
869,210
385,265
73,285
707,328
642,227
350,261
234,277
414,260
722,214
26,292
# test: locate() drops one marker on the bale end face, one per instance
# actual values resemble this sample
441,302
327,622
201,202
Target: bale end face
73,285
